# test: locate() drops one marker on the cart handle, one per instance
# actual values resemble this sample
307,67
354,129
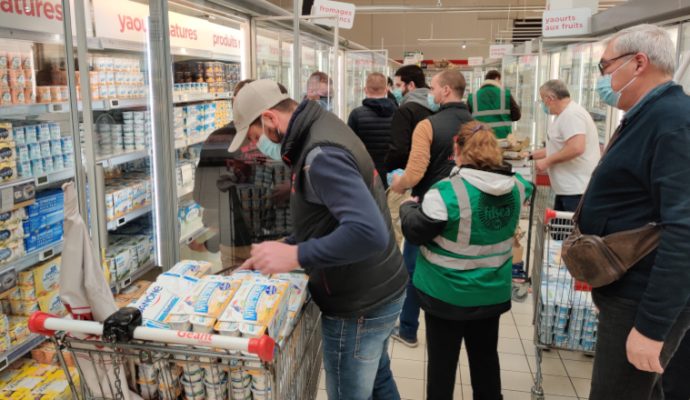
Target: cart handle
47,324
552,214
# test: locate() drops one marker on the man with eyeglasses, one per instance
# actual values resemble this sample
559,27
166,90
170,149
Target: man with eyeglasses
643,177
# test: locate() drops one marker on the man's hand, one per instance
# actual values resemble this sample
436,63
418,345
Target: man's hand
396,185
197,246
272,258
542,165
644,352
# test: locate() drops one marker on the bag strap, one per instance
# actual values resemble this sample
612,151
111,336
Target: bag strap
614,138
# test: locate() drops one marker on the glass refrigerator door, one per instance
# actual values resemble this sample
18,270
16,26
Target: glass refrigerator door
267,55
37,154
597,108
527,86
358,65
118,119
204,81
580,55
684,54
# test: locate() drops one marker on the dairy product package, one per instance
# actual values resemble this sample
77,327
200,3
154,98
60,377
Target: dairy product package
4,323
155,306
11,251
11,218
135,290
259,306
212,294
43,279
18,328
11,233
51,303
191,268
24,307
178,284
298,289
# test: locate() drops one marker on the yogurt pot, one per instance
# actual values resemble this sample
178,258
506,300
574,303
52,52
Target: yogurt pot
214,376
261,394
229,329
179,322
148,373
217,390
260,382
149,391
202,324
242,394
192,373
193,388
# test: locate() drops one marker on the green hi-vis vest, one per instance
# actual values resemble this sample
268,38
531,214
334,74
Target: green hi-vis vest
470,263
491,105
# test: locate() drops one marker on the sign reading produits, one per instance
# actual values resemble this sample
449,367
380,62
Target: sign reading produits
128,20
344,11
37,15
570,22
500,50
474,61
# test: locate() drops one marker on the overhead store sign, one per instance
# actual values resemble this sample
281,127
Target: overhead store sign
412,57
128,20
500,50
474,61
38,15
572,22
344,11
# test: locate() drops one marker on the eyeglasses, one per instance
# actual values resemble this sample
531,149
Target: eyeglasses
603,64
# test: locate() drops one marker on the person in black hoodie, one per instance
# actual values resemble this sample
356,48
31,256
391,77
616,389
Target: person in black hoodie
372,121
343,235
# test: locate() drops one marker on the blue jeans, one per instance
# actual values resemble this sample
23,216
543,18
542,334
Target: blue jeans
355,354
567,202
409,318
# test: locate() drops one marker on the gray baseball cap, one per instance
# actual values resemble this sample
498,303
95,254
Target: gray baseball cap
254,98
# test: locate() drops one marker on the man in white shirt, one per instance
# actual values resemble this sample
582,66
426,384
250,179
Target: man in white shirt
572,147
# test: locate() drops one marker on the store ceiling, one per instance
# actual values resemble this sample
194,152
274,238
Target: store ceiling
450,29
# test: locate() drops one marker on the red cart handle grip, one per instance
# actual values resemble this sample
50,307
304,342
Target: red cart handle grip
37,323
263,347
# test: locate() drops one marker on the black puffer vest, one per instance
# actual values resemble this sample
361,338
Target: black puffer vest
347,290
445,124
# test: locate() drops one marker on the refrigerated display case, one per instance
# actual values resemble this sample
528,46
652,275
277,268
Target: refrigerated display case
358,65
39,150
520,73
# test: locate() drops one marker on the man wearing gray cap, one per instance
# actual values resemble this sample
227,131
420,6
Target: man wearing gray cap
343,235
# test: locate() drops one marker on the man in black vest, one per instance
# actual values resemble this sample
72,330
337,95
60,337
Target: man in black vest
372,121
343,235
430,160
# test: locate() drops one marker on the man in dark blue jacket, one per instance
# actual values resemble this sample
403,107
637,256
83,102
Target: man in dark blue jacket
372,121
643,177
343,234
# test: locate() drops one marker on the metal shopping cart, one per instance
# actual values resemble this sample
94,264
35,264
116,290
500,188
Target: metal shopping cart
565,317
166,364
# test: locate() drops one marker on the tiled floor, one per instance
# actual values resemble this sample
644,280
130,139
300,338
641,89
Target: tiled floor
566,374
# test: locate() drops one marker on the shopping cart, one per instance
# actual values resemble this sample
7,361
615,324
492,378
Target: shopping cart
166,364
565,317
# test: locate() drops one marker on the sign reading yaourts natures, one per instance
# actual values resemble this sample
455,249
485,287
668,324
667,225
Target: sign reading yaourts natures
570,22
128,20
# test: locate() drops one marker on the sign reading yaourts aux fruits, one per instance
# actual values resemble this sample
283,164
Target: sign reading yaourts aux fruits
127,20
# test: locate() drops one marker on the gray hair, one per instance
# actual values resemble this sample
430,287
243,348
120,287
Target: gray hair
556,87
651,40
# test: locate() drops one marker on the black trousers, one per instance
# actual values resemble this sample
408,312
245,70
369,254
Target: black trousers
613,377
676,377
444,338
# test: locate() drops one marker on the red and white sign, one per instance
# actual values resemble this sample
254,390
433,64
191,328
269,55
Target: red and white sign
38,15
267,49
474,61
128,20
572,22
344,11
500,50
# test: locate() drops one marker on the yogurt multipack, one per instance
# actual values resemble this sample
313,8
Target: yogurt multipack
259,307
156,305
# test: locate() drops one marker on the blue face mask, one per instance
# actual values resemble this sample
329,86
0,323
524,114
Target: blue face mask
326,103
267,147
545,108
398,94
606,92
433,106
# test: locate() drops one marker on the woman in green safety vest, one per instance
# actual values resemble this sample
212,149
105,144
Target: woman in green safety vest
464,228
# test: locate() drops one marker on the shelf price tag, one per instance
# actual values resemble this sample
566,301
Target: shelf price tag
46,254
57,108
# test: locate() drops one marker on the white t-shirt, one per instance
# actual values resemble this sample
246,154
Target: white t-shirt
571,177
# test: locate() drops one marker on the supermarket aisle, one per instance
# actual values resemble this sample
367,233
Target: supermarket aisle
566,374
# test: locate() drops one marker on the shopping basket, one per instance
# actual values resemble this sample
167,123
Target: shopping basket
565,317
167,364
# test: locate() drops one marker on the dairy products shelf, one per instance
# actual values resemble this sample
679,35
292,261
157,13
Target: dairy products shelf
32,258
189,238
22,110
17,193
143,270
123,220
54,177
122,158
20,350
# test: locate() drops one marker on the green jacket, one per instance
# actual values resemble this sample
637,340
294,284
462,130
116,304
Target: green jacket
474,214
493,105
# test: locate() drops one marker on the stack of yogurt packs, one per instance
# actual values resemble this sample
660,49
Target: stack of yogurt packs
244,304
568,317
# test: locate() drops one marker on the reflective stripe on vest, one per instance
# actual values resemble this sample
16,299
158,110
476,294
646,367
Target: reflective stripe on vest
494,255
502,110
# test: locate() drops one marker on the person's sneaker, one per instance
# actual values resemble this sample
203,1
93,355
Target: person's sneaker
407,342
